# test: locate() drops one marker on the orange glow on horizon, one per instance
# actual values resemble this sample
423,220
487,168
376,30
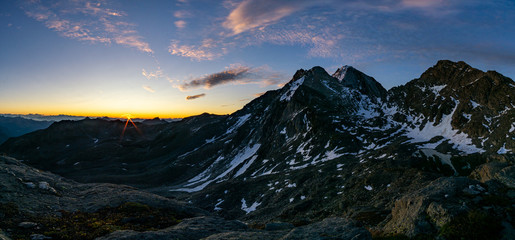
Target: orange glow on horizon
116,115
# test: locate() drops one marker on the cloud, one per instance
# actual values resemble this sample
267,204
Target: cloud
180,24
235,74
182,14
148,88
259,94
251,14
198,53
193,97
152,75
422,3
86,21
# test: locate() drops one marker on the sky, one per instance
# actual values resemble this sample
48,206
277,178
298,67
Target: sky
172,59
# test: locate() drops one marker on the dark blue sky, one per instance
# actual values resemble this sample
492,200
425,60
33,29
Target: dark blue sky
145,57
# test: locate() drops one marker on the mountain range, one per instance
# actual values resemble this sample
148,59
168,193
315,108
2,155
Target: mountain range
411,162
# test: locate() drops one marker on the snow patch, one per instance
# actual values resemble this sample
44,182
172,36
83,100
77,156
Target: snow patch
330,155
210,140
241,121
243,155
474,104
293,87
444,129
436,89
503,150
248,209
245,166
217,208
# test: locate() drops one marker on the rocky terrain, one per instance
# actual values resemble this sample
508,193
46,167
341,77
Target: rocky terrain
327,156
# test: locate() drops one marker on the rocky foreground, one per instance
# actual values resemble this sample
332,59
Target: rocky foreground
39,205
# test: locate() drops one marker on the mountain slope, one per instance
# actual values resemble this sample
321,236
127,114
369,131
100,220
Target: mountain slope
479,104
322,145
17,126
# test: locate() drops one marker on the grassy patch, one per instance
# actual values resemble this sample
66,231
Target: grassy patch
85,225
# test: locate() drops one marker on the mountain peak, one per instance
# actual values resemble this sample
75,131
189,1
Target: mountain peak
353,78
456,75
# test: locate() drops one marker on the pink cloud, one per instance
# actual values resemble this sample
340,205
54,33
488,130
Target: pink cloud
98,23
251,14
148,88
180,24
198,53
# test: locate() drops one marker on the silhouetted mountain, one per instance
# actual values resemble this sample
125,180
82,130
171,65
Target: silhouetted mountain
17,126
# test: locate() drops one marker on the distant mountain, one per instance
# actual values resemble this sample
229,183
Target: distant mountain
61,117
17,126
323,145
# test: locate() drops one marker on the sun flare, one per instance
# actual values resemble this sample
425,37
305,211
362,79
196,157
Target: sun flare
129,119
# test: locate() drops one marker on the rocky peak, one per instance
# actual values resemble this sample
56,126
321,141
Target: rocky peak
353,78
449,73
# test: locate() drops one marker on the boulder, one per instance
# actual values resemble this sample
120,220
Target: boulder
330,228
487,171
27,225
193,228
507,176
433,206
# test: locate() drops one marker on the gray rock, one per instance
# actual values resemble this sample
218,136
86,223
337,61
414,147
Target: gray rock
442,214
27,225
193,228
487,171
508,232
507,176
275,226
56,193
39,237
329,228
253,235
415,213
3,236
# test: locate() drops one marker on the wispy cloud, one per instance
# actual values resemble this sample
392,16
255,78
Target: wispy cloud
236,74
180,24
152,75
251,14
422,3
193,97
198,53
259,94
87,21
182,14
329,33
148,88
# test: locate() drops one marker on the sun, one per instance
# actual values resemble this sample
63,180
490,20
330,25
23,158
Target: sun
129,116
